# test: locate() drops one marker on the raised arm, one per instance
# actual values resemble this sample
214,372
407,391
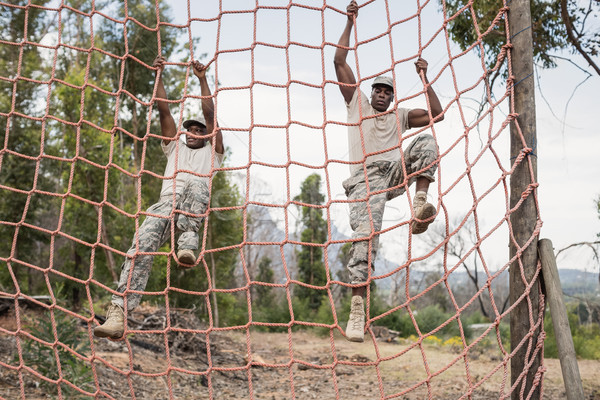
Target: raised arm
342,69
419,117
208,107
167,123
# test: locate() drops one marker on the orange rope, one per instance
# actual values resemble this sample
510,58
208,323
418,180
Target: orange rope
533,343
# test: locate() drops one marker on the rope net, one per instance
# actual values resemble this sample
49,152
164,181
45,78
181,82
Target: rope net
80,164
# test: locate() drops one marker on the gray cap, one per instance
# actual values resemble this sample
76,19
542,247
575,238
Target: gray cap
383,80
198,121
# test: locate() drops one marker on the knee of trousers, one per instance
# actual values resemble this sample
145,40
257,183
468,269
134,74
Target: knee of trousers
358,271
424,143
426,139
195,186
422,156
362,230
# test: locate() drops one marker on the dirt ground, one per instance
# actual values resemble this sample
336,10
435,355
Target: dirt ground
296,365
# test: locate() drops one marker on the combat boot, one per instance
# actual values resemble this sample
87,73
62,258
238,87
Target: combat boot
355,330
423,213
114,326
186,258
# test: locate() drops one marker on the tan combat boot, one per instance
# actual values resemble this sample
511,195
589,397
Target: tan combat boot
114,326
423,213
186,258
355,330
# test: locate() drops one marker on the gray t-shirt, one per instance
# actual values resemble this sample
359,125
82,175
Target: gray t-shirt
195,162
379,133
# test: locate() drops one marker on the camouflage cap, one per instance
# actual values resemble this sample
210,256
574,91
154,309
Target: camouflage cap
198,121
383,80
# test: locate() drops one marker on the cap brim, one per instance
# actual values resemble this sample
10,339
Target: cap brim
190,122
382,84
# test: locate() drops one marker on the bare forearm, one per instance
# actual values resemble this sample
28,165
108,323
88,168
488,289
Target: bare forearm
167,124
161,93
434,101
208,110
342,51
208,106
342,69
418,117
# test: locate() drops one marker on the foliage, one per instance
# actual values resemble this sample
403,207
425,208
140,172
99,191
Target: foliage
277,313
137,84
267,306
100,149
311,268
586,337
233,309
472,21
427,319
45,358
23,137
262,293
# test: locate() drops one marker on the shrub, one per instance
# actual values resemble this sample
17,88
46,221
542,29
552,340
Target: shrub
276,313
43,358
586,338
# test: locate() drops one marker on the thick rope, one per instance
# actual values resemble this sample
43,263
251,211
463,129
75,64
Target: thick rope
473,381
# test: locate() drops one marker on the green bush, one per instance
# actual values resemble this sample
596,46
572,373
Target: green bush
276,313
42,357
586,338
432,317
233,309
323,315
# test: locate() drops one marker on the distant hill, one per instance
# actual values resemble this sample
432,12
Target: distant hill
578,282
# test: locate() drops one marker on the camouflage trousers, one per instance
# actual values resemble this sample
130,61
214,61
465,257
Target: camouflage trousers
366,210
156,230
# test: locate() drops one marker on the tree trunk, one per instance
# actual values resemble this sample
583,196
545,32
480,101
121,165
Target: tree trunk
523,220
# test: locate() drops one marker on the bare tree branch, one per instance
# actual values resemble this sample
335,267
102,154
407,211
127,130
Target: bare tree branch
572,38
589,244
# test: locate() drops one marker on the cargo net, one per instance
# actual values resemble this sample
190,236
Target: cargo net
263,313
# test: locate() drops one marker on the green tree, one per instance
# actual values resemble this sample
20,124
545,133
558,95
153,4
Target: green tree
21,138
262,294
311,269
88,151
267,306
557,25
225,229
134,81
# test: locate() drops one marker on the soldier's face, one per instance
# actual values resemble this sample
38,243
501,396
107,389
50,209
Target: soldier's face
194,139
381,97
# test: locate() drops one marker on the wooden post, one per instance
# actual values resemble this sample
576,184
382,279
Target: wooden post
560,322
524,219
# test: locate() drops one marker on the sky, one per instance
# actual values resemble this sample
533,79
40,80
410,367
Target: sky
568,140
288,124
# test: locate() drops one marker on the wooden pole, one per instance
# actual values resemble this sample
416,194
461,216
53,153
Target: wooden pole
560,322
523,220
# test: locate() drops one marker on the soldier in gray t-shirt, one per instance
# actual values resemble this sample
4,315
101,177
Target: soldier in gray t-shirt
183,200
378,164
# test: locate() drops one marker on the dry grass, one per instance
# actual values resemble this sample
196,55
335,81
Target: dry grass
323,367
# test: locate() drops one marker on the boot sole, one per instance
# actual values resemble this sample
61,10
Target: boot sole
355,339
187,261
418,227
103,334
